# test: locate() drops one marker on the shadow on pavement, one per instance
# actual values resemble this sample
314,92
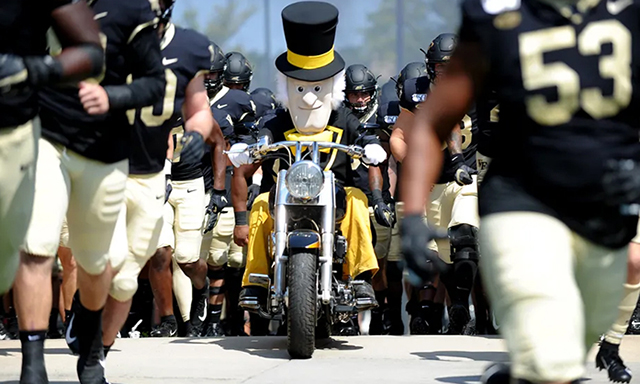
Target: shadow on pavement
268,347
458,356
47,351
338,345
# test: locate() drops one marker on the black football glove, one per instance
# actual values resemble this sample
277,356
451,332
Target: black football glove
167,192
423,264
463,171
384,215
254,191
621,182
192,147
217,203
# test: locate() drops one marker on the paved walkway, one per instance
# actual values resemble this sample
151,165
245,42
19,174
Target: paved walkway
263,360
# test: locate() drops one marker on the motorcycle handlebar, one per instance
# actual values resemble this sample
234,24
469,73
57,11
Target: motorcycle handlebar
259,150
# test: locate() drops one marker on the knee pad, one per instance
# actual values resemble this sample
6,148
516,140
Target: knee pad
464,256
394,271
123,288
216,274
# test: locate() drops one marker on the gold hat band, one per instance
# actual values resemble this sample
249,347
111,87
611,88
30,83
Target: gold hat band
310,62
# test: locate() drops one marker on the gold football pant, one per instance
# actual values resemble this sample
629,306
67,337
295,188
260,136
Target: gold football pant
355,227
554,292
18,152
629,298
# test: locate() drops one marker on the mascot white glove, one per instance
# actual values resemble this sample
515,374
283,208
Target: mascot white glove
238,155
374,154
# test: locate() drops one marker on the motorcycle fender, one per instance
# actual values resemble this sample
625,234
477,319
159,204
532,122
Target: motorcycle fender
304,241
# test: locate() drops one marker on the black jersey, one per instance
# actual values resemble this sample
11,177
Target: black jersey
415,92
185,54
240,106
565,86
127,25
488,110
360,170
23,28
226,125
342,128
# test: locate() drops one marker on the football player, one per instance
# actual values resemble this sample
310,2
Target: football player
453,203
234,100
24,67
82,171
388,111
237,72
361,97
186,57
564,74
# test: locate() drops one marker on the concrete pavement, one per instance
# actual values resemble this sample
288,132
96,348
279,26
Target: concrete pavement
264,360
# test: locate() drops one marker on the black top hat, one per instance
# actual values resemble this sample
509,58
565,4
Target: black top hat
310,31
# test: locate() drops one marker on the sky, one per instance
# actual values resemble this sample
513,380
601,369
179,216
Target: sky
251,35
353,19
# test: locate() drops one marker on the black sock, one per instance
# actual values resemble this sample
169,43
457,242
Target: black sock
33,369
67,315
89,333
168,319
215,311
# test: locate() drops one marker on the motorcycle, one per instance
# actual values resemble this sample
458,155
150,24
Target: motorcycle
307,247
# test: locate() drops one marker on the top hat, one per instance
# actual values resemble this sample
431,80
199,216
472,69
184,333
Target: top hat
310,31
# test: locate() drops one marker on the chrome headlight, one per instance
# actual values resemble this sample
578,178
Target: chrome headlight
304,180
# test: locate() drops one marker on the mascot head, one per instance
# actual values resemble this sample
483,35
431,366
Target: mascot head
311,83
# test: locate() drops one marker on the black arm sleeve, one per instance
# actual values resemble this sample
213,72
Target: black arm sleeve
149,81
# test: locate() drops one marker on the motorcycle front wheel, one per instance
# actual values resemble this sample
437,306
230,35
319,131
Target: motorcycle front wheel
302,308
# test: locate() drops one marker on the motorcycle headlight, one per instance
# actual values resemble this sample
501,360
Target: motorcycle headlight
304,180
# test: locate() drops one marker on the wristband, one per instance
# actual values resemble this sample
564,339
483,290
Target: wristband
219,192
167,168
241,218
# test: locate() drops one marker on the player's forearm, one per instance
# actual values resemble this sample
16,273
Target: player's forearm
149,80
454,142
218,159
201,122
239,189
398,146
375,178
421,168
82,55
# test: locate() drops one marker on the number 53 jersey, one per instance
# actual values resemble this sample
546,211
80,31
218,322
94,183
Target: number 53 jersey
566,79
186,54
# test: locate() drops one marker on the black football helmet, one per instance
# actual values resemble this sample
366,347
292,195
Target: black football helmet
166,7
237,70
213,81
360,79
410,71
440,51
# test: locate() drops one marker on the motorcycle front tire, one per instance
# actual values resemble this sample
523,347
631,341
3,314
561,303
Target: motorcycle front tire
302,308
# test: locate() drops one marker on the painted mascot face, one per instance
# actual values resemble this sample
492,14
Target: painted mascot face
310,104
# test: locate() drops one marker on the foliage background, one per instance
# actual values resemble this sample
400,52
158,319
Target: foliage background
367,30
